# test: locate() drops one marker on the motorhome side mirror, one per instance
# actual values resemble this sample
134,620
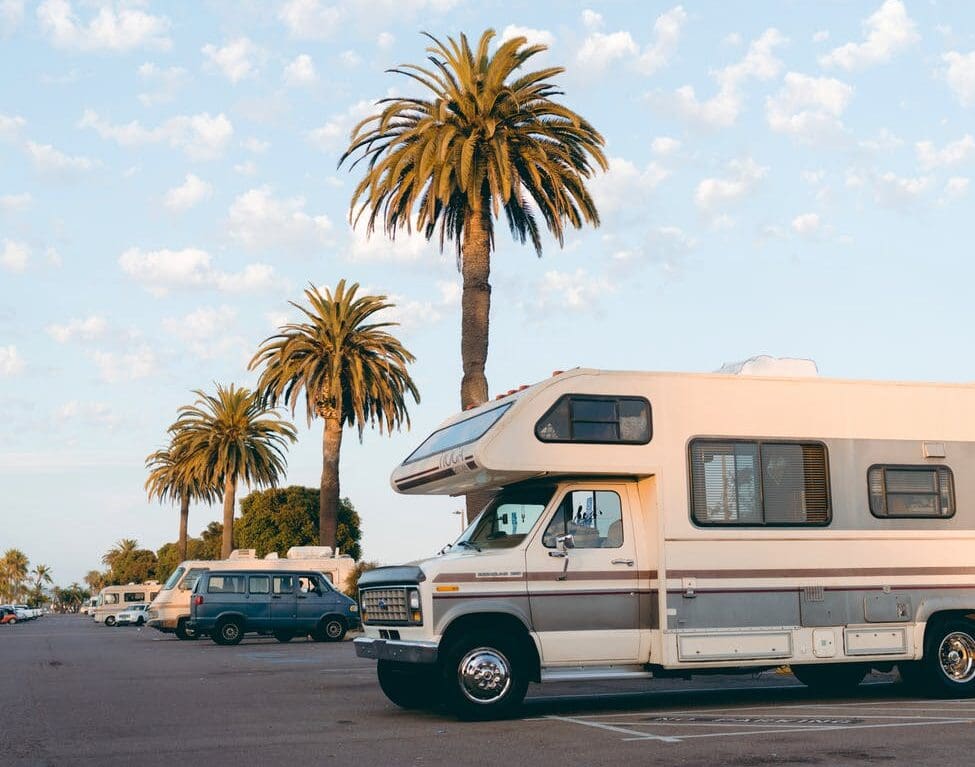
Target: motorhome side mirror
566,541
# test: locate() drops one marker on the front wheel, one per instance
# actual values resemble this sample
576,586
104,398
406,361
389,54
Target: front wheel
329,630
949,659
830,678
409,685
485,676
110,620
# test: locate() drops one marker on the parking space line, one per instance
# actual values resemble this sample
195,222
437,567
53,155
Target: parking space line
639,735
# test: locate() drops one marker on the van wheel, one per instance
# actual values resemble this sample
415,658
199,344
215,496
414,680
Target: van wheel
184,633
949,659
485,676
283,636
830,677
110,620
409,685
229,632
329,630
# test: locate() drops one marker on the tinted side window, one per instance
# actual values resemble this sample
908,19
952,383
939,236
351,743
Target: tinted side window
283,584
134,596
590,418
226,584
911,491
259,584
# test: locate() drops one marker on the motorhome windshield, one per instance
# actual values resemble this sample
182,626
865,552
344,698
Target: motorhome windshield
507,519
457,434
173,579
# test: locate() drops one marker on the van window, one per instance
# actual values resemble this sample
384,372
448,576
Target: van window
191,578
173,579
134,596
109,599
591,418
259,584
751,483
226,584
283,584
911,491
594,519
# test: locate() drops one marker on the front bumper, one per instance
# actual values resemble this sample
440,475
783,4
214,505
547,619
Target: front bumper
396,650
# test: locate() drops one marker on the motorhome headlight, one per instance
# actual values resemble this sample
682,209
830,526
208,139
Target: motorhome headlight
416,616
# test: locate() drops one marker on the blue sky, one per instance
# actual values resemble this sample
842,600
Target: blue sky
785,178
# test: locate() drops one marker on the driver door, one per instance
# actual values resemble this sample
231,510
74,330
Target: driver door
584,578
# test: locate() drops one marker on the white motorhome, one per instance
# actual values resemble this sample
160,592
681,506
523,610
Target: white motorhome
654,524
113,599
170,610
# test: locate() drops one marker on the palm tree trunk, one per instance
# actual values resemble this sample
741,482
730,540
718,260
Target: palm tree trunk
184,516
328,499
229,498
475,318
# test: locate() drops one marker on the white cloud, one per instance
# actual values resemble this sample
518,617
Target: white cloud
14,256
301,71
592,19
160,271
666,30
259,221
200,137
255,145
821,36
713,194
89,413
900,192
534,36
722,109
10,127
88,329
577,291
20,201
350,59
247,168
377,248
808,108
206,332
193,190
310,19
884,141
665,146
238,60
11,363
116,27
600,49
955,187
47,159
132,366
625,185
807,225
409,314
953,153
385,40
11,16
450,292
664,246
887,32
961,76
164,83
335,132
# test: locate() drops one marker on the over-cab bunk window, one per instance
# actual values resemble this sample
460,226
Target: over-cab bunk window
596,419
458,434
752,483
911,491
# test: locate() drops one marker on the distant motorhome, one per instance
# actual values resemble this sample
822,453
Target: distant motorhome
113,599
653,524
170,610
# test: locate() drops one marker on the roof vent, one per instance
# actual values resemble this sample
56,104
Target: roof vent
764,365
243,554
309,552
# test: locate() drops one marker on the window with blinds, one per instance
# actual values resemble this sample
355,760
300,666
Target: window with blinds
596,419
911,491
740,482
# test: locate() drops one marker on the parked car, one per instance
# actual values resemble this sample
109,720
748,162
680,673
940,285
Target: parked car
7,615
227,604
133,615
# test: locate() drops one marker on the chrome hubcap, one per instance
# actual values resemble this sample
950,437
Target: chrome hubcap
957,657
230,631
485,675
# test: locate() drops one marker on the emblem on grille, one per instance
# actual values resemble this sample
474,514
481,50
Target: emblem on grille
382,605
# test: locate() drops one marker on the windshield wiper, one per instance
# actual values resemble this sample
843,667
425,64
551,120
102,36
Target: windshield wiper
469,545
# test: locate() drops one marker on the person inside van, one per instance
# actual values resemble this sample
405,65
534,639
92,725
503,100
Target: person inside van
308,586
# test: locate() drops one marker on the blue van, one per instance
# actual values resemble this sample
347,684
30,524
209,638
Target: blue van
227,604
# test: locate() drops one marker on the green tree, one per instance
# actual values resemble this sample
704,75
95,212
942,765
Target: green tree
210,543
96,580
228,438
487,139
135,566
13,573
276,520
41,575
170,479
121,547
351,371
352,583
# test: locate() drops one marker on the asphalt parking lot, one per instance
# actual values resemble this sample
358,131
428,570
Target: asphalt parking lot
73,692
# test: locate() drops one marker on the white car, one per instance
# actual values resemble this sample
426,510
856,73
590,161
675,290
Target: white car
23,612
134,615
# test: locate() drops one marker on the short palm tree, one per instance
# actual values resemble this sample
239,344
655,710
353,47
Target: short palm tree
486,139
170,480
228,438
351,370
121,547
13,571
41,575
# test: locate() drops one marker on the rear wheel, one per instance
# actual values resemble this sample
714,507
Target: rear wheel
948,664
485,676
329,630
12,620
830,677
409,685
229,632
283,636
110,620
184,633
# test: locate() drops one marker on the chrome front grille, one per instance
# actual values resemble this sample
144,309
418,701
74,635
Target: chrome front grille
384,606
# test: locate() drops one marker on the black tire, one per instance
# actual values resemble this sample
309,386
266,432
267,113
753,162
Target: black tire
184,633
948,666
330,629
140,621
832,678
484,676
228,632
283,636
109,620
913,676
409,685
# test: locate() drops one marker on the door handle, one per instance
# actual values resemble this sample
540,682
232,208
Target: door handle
627,562
301,597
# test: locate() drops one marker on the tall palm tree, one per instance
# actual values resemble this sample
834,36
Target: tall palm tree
41,575
485,140
122,547
231,437
13,571
352,373
169,479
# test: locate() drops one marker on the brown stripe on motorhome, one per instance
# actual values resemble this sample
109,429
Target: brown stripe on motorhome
586,575
423,477
834,572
